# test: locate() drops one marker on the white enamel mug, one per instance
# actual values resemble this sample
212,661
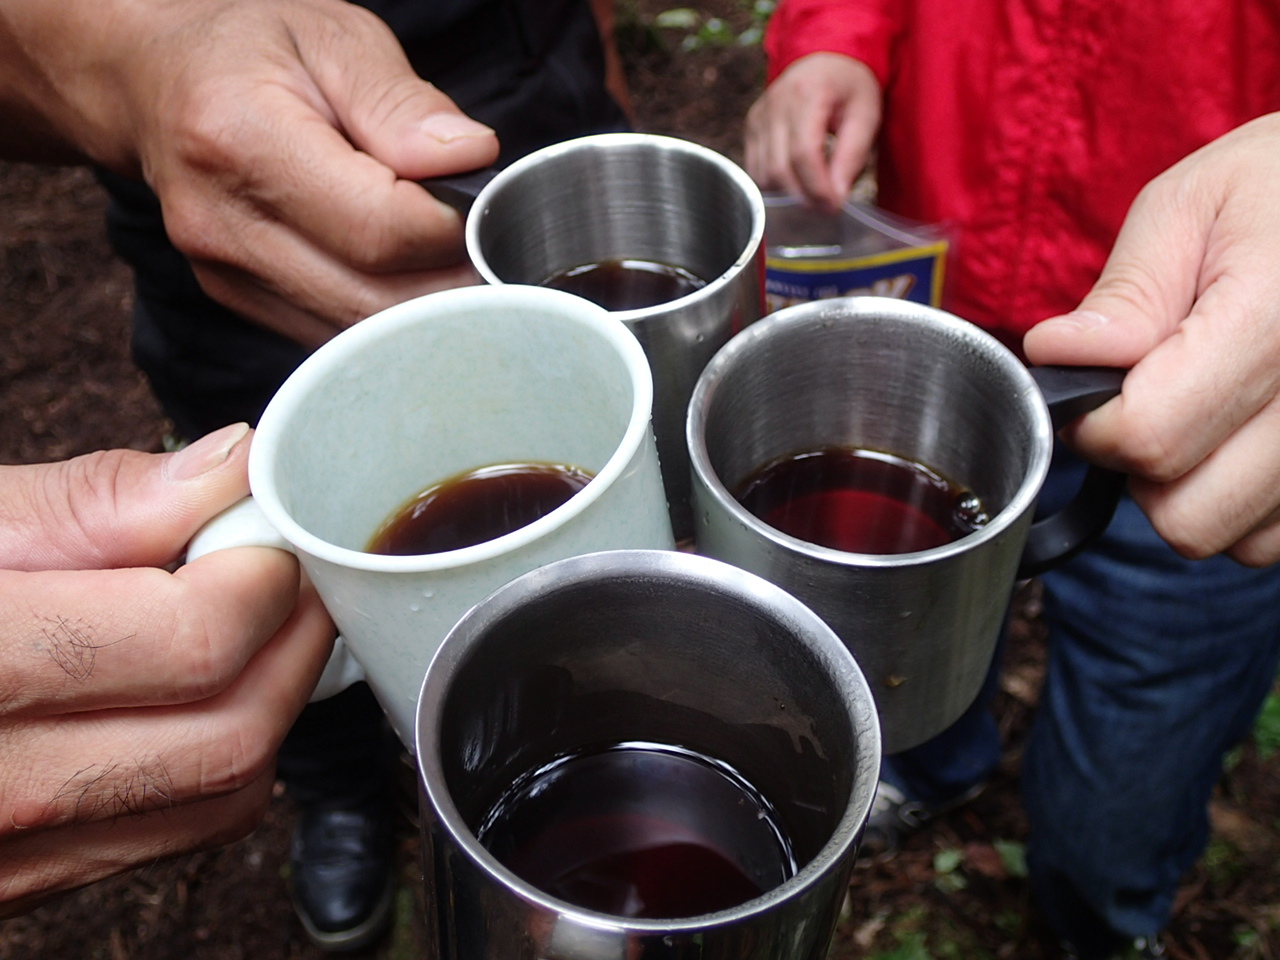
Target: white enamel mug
421,392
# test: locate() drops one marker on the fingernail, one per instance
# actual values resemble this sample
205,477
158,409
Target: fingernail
1081,320
447,127
205,454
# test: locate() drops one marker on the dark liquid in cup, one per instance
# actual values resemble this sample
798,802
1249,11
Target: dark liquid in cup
476,506
640,830
861,501
626,284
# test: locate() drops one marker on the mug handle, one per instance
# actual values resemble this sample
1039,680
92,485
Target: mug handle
244,524
1071,392
461,189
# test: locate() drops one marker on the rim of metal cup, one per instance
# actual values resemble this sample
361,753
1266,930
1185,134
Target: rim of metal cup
670,564
326,362
610,141
758,336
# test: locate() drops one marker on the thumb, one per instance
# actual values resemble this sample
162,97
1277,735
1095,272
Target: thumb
119,508
396,117
1146,289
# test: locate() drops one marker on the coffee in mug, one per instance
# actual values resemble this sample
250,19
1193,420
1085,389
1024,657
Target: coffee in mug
861,501
476,506
640,830
626,284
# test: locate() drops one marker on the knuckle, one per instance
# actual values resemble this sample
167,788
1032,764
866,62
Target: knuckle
195,231
1148,452
205,653
82,501
240,755
210,131
1133,284
1261,550
1182,533
1180,518
371,243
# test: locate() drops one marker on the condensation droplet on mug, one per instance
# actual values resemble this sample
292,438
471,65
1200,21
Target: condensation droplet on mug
415,607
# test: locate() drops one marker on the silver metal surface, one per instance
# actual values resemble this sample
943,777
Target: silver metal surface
654,646
905,379
645,197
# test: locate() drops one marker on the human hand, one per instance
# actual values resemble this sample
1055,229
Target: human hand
1190,299
282,137
140,710
818,96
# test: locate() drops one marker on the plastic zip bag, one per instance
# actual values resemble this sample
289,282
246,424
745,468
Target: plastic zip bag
859,250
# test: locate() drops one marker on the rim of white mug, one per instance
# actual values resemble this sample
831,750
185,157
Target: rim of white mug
330,357
748,253
850,309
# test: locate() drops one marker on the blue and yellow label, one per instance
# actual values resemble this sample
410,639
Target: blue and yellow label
908,273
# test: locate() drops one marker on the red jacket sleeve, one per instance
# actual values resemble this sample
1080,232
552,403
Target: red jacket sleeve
862,29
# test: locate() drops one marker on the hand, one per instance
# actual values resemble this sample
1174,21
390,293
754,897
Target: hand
819,96
140,710
1190,299
280,135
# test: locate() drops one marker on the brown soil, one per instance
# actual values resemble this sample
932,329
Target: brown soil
67,387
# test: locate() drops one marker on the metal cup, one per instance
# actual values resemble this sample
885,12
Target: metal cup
909,380
654,646
644,197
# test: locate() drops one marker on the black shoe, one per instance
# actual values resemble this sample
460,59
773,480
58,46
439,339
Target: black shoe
344,877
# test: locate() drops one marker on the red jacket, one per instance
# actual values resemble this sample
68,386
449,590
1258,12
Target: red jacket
1030,125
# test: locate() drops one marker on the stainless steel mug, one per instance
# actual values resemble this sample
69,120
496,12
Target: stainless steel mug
653,648
918,383
640,197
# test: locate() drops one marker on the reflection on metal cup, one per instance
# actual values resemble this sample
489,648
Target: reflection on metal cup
636,197
655,648
907,380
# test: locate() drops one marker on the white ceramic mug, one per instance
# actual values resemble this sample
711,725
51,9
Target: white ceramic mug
419,393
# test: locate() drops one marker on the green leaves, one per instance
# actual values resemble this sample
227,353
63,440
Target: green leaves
714,31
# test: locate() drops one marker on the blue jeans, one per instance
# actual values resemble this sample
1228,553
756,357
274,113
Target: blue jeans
1157,666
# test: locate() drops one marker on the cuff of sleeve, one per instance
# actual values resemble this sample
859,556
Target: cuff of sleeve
801,27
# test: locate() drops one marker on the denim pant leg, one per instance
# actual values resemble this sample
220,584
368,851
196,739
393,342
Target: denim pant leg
1157,666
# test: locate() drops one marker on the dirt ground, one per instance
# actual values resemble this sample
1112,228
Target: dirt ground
67,386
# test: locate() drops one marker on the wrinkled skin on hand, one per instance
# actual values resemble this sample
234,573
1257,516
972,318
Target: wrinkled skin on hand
280,135
140,709
1190,300
811,131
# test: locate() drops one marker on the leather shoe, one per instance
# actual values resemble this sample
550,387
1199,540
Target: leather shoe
343,871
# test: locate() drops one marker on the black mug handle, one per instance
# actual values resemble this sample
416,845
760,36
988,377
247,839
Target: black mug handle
459,190
1072,392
